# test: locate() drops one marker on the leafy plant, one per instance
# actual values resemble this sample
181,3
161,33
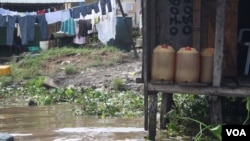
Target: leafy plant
216,131
248,110
93,102
37,81
193,106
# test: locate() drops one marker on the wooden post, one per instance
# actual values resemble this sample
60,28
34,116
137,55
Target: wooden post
149,42
166,104
145,59
152,115
216,115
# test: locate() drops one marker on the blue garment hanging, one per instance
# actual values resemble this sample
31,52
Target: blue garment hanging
68,27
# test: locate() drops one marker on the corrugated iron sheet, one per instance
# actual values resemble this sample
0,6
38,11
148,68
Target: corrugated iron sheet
39,1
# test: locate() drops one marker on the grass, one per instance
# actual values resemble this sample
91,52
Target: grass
111,102
118,84
97,62
69,69
5,80
31,65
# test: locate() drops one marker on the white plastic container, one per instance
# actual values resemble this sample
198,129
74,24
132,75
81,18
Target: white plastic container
44,45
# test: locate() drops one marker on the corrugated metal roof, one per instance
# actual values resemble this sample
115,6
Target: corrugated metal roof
39,1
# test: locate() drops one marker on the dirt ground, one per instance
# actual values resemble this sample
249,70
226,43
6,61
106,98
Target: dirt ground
100,77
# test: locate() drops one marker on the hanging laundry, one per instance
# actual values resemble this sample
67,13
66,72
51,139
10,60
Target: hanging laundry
68,27
10,29
27,27
21,14
76,12
65,15
3,22
51,9
88,9
106,28
4,12
12,13
78,39
41,11
18,30
95,6
94,17
53,17
43,26
30,13
84,26
105,3
85,10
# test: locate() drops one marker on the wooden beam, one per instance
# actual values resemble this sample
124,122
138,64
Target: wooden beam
202,90
216,112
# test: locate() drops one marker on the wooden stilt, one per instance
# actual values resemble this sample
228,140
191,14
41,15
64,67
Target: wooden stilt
153,97
166,104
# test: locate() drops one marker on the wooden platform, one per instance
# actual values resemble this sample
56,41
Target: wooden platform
236,87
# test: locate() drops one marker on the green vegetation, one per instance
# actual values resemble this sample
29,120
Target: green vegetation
93,103
118,84
37,82
29,72
34,65
5,81
215,131
69,69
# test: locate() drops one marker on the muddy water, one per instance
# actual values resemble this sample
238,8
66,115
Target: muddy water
58,123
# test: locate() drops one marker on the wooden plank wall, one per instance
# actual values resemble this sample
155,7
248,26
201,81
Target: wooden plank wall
230,40
197,24
230,50
175,19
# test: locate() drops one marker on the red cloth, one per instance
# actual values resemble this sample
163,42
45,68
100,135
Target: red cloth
41,11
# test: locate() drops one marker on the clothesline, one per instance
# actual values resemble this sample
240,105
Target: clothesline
55,15
25,19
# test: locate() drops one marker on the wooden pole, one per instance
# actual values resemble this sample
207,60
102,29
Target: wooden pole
151,37
216,111
149,42
152,115
145,38
166,104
